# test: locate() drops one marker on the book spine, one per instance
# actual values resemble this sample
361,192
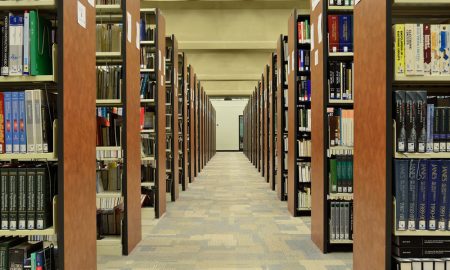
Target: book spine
15,122
419,49
29,121
333,30
436,130
445,49
13,185
22,124
38,121
421,119
8,123
411,134
26,43
399,49
331,79
435,52
409,50
427,48
31,199
342,220
400,120
43,200
401,193
4,213
433,192
412,195
46,125
22,198
422,179
5,46
2,123
443,127
430,126
15,46
443,199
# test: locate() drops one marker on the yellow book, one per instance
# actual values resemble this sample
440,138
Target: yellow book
399,46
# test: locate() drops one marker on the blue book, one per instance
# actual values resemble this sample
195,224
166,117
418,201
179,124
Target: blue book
345,33
8,122
422,179
430,122
401,193
434,179
15,122
22,124
412,194
442,196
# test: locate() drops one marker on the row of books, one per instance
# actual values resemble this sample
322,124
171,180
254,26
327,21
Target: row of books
341,220
109,82
304,119
347,3
341,80
304,198
109,177
417,248
26,44
148,173
102,154
421,264
340,127
108,2
26,122
17,253
109,127
147,119
109,37
341,174
304,89
304,60
304,148
422,49
148,144
109,216
340,33
147,58
421,194
422,122
148,86
304,172
26,196
304,31
147,31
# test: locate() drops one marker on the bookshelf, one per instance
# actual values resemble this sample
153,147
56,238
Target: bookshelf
254,128
265,122
183,121
282,107
172,147
333,103
299,108
379,158
272,103
197,124
191,123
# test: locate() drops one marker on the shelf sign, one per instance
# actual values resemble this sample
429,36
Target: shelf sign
312,37
92,2
319,28
129,26
314,4
357,2
138,38
81,14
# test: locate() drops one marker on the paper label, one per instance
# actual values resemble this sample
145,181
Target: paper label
314,4
81,14
138,38
312,37
129,26
293,62
357,2
92,2
319,28
316,57
159,59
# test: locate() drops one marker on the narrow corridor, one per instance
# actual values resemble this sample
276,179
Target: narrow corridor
227,219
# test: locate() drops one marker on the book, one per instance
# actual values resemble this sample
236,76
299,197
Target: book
400,121
421,120
399,45
5,45
422,194
19,253
30,120
5,244
418,46
22,123
38,140
401,194
409,49
435,50
412,194
43,198
31,199
434,170
410,123
22,196
2,126
333,31
13,196
443,202
427,48
8,122
15,122
26,43
345,33
40,45
15,45
4,189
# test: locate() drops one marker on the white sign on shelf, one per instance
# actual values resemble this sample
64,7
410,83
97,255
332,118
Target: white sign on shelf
312,37
159,59
129,26
319,28
316,57
81,14
314,4
357,2
293,61
92,2
138,38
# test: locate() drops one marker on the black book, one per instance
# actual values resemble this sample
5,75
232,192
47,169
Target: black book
44,199
18,254
331,81
337,80
31,198
22,198
400,104
344,85
436,130
411,134
13,196
421,241
4,185
421,252
443,127
421,121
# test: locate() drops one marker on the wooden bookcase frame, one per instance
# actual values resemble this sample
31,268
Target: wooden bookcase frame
272,90
183,95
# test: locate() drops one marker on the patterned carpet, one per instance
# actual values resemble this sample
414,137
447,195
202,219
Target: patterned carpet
227,219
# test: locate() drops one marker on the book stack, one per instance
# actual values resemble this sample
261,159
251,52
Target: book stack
148,86
304,198
109,216
421,194
341,174
147,58
304,172
109,126
341,220
347,3
26,196
340,80
26,121
26,44
147,119
304,89
18,253
421,50
304,60
304,32
341,127
340,31
148,144
109,37
109,177
109,82
421,264
304,119
425,249
108,2
304,148
147,30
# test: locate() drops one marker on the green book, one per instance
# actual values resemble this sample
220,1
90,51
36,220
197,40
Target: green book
40,45
339,174
333,177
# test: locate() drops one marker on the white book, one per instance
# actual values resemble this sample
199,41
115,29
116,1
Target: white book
26,43
419,50
31,134
38,121
333,221
15,45
445,54
435,53
409,49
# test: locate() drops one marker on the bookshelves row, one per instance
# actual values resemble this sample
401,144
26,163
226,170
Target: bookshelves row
49,159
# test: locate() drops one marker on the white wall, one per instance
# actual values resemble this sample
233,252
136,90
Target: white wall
227,119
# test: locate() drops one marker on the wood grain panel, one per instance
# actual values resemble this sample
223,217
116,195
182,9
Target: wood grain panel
202,128
161,116
186,172
192,122
292,112
76,138
271,124
371,151
265,124
196,124
317,128
175,152
254,129
279,127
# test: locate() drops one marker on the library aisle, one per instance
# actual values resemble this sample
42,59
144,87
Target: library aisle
228,219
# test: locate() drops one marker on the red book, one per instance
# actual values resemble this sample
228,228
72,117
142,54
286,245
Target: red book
300,31
427,48
333,32
142,118
2,123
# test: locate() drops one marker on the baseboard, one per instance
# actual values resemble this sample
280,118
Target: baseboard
229,150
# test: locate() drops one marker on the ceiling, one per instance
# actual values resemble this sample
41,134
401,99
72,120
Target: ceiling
228,42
